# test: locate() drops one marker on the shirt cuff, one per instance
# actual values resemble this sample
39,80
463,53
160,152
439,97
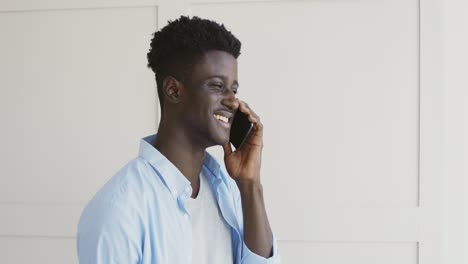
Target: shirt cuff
249,257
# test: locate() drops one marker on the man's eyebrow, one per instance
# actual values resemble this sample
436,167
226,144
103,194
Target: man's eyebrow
224,78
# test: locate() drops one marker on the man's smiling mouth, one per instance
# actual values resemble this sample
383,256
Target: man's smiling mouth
221,118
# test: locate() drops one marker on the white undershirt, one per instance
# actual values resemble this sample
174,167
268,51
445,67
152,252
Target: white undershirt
212,242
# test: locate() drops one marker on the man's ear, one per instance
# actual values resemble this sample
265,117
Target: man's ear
172,89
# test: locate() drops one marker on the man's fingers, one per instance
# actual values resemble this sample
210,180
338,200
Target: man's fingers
252,117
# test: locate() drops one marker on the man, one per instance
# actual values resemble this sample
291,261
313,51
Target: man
175,203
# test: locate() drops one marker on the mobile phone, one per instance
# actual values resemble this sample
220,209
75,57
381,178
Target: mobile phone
240,129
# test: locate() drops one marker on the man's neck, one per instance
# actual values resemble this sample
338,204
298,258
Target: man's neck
183,153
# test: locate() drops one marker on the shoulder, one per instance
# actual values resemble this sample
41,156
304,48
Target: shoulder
121,196
111,224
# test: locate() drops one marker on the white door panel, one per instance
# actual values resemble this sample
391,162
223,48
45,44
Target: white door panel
336,85
76,95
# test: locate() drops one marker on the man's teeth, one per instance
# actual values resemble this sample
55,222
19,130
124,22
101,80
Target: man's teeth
222,118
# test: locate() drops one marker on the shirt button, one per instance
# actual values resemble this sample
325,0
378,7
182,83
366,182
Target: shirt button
187,189
174,192
186,216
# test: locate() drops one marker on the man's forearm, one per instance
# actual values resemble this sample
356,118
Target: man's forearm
257,232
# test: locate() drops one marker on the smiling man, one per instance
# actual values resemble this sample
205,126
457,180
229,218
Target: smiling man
175,203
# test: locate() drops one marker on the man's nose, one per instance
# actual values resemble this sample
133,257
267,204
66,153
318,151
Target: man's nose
230,100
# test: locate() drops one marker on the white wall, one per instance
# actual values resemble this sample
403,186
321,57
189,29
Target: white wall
455,174
57,71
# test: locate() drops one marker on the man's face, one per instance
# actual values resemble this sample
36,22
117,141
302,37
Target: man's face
210,104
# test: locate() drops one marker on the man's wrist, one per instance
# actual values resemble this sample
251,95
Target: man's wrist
249,185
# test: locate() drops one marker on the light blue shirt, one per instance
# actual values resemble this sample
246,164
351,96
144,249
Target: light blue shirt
139,216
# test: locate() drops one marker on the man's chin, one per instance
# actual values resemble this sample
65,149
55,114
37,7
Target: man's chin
222,141
219,137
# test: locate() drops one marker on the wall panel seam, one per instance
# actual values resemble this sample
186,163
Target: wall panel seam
38,7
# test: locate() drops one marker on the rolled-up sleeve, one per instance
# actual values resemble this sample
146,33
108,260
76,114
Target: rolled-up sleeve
249,257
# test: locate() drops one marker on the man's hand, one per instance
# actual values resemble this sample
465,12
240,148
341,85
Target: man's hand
244,163
244,167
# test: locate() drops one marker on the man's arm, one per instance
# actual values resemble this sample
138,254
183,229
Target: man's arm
243,166
257,232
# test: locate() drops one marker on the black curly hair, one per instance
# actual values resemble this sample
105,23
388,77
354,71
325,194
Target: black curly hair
181,43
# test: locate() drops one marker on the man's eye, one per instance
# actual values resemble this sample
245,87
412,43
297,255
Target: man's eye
217,85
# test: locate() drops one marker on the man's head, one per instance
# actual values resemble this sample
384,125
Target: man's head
177,47
195,63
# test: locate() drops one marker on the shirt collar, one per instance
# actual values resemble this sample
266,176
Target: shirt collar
175,181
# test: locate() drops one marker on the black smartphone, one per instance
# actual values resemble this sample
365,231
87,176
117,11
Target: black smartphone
240,128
